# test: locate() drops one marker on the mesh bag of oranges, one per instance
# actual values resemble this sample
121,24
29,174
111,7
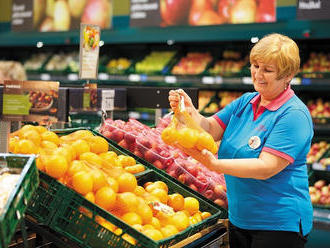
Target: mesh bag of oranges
183,130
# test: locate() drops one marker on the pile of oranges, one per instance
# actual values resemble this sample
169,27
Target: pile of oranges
82,162
189,138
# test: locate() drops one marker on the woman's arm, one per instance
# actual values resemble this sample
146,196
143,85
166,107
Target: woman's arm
264,167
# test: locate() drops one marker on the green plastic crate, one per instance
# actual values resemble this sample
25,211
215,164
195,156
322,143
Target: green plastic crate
20,196
83,229
45,201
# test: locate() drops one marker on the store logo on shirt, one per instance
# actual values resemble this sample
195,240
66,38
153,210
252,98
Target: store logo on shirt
261,128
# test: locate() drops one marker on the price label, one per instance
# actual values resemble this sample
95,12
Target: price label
103,76
218,80
108,99
73,77
296,81
208,80
45,76
247,80
170,79
134,77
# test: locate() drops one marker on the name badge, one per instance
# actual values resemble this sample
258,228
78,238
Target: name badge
254,142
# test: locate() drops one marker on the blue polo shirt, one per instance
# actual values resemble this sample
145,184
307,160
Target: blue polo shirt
285,129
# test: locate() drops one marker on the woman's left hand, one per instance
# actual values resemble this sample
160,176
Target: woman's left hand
205,157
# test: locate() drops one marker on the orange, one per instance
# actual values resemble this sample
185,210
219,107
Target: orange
82,182
75,167
138,227
39,164
191,204
161,194
205,215
90,196
176,201
40,129
192,220
108,159
161,185
64,152
169,230
26,147
56,166
124,160
169,135
127,182
32,135
98,144
134,169
112,183
198,217
139,191
50,136
205,141
80,146
105,197
187,137
155,222
13,144
148,227
99,179
81,134
145,212
180,221
48,145
164,218
91,158
126,202
132,218
153,234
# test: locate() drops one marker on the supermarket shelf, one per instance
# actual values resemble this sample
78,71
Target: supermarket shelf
201,82
293,28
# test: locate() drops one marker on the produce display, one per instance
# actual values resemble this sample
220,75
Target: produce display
317,62
319,193
154,62
118,66
230,64
146,143
204,98
192,64
63,61
317,150
319,109
211,103
36,61
81,161
8,182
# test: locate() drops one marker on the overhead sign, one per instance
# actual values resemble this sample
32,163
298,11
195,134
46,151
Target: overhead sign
313,9
199,13
60,15
30,101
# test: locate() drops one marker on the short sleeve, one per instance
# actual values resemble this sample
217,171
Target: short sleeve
223,116
291,134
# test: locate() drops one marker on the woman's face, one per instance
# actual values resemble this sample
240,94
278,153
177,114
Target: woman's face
264,77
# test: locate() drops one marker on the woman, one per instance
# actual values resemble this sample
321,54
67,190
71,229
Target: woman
265,137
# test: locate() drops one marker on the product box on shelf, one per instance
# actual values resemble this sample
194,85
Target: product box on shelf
18,182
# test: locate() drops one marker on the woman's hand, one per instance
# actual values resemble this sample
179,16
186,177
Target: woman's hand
205,157
175,97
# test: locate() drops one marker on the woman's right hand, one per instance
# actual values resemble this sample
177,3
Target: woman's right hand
174,99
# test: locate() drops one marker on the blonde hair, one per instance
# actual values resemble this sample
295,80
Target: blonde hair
278,49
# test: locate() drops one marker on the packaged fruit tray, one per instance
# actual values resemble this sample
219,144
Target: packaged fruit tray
319,188
78,219
16,203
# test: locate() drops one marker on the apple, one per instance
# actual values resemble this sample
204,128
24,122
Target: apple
174,12
312,189
266,11
224,7
123,144
209,17
201,177
106,134
221,202
138,153
159,165
97,12
129,138
192,169
172,173
323,199
325,190
243,11
117,135
209,194
150,156
319,184
77,7
219,191
62,18
198,7
182,178
194,187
